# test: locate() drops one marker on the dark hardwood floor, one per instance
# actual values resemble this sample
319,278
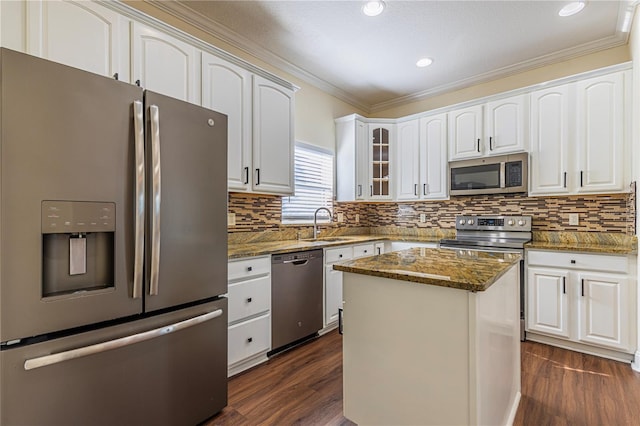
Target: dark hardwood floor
559,387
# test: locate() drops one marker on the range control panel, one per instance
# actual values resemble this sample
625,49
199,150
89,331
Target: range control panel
493,223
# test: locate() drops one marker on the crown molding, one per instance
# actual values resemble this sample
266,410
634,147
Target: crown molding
223,33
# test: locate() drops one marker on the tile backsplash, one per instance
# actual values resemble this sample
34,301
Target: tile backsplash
597,213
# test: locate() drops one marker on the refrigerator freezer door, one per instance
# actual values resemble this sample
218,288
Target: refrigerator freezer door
68,135
175,377
187,202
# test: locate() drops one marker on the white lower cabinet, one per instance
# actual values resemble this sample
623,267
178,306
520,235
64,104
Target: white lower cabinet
249,312
582,301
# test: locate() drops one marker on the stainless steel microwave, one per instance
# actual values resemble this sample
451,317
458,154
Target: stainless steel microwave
489,175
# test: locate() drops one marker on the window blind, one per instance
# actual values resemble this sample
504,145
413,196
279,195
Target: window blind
313,176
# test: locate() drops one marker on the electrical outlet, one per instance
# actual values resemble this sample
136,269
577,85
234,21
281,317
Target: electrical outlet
231,219
574,219
357,218
340,217
423,217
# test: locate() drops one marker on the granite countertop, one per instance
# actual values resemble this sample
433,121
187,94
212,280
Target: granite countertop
588,242
581,247
462,269
250,249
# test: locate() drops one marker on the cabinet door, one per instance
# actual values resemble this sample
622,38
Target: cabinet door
226,88
361,161
164,64
550,140
408,160
433,157
600,133
333,294
272,137
82,34
603,309
507,125
381,144
379,248
547,302
465,133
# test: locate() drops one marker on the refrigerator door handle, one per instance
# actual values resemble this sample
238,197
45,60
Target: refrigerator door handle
46,360
155,194
138,264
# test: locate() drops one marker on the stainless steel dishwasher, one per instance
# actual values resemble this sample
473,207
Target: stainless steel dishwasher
296,297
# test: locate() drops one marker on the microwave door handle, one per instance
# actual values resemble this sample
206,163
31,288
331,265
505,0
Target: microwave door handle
155,199
138,262
502,176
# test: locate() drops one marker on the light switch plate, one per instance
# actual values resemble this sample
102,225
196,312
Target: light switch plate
574,219
423,217
340,217
231,219
357,218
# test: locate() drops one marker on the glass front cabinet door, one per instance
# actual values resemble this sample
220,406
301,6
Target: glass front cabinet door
381,137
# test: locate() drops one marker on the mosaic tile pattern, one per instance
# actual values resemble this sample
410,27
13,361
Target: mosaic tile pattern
597,213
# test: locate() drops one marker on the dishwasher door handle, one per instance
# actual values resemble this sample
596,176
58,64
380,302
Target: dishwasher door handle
297,262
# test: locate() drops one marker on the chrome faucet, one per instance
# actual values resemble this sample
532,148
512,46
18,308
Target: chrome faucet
315,220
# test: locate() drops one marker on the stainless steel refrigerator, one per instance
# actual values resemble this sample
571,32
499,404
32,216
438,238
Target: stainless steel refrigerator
113,251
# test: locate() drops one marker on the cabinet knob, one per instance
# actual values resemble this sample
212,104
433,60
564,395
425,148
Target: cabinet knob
250,339
573,262
249,299
249,268
365,251
340,255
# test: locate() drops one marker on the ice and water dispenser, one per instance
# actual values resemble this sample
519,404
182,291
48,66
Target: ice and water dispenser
77,246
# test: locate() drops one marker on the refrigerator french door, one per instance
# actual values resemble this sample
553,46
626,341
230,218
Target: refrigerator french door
112,218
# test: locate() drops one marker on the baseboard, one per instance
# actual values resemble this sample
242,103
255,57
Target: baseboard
579,347
636,361
514,409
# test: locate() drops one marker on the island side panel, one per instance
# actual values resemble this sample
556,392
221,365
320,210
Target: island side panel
495,360
405,352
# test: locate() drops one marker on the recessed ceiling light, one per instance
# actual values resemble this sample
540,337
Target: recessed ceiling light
424,62
373,8
572,8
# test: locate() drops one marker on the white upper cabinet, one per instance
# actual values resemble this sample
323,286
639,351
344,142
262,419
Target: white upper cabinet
408,160
351,159
272,137
494,128
465,133
601,133
164,64
550,140
433,157
506,125
226,88
381,144
579,137
80,34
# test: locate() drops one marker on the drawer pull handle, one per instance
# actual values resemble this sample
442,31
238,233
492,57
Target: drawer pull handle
249,268
249,299
573,262
250,339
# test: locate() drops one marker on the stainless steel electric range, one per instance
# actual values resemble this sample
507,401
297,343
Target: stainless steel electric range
494,233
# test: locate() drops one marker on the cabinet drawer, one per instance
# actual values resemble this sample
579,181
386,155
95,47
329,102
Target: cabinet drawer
363,250
251,297
246,268
590,262
249,338
338,254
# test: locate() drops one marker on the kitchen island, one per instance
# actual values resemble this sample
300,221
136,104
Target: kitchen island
431,336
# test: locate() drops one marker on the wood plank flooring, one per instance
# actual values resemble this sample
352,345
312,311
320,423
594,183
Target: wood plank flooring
559,387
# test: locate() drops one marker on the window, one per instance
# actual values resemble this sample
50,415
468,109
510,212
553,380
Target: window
313,177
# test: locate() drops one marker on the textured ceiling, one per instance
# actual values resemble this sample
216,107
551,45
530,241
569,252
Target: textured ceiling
370,61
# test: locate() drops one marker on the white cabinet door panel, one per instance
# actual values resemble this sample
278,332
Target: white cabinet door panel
604,316
408,160
506,125
249,338
272,137
81,34
333,294
226,88
165,65
465,133
433,157
550,140
247,298
600,133
547,309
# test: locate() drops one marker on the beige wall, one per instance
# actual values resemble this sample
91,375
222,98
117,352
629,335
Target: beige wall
314,109
539,75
